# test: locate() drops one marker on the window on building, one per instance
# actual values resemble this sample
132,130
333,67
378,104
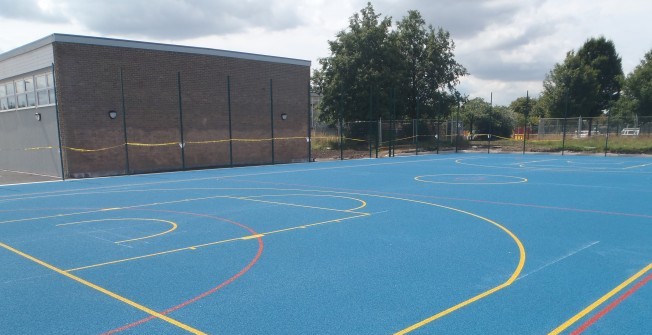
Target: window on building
43,98
10,88
41,82
22,100
11,101
27,92
20,86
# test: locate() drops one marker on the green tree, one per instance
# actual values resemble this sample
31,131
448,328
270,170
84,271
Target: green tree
638,87
530,106
371,68
412,44
429,69
588,79
600,55
358,70
474,110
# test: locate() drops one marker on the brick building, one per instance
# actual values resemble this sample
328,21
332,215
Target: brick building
77,106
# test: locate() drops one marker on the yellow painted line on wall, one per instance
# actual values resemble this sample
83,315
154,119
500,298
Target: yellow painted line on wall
600,301
105,291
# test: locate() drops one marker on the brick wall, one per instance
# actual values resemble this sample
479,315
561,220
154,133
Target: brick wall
89,86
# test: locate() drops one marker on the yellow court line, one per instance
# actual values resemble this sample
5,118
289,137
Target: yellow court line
105,291
512,278
515,274
174,226
600,301
195,247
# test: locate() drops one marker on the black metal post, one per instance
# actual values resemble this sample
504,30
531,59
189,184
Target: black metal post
416,132
56,110
271,112
457,126
228,100
563,139
370,118
310,122
392,125
182,143
124,122
606,141
438,125
491,105
525,114
341,131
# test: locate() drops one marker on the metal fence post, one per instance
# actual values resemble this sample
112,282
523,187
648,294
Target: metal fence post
271,112
56,110
124,122
182,144
228,100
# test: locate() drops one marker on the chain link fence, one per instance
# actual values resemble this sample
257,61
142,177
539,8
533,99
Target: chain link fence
387,138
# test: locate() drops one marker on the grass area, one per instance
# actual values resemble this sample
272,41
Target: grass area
595,144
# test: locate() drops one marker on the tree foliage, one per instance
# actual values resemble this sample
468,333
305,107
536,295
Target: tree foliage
374,71
483,118
524,107
638,88
588,81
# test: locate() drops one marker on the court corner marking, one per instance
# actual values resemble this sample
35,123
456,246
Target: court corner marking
600,301
105,291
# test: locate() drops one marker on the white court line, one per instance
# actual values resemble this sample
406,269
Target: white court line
216,177
539,161
637,166
559,259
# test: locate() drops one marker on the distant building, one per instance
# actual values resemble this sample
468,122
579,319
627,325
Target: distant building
78,106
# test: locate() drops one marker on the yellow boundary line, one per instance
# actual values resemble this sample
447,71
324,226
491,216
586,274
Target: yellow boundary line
600,301
174,226
105,291
510,280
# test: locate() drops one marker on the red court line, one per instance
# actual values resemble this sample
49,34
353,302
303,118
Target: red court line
209,292
611,306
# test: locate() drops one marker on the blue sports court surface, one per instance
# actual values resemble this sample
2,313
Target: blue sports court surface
434,244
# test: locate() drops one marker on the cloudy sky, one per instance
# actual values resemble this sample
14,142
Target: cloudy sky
508,46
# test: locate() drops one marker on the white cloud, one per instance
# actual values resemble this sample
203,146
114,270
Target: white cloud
508,46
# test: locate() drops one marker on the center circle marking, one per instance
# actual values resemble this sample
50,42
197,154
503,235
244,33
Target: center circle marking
470,179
